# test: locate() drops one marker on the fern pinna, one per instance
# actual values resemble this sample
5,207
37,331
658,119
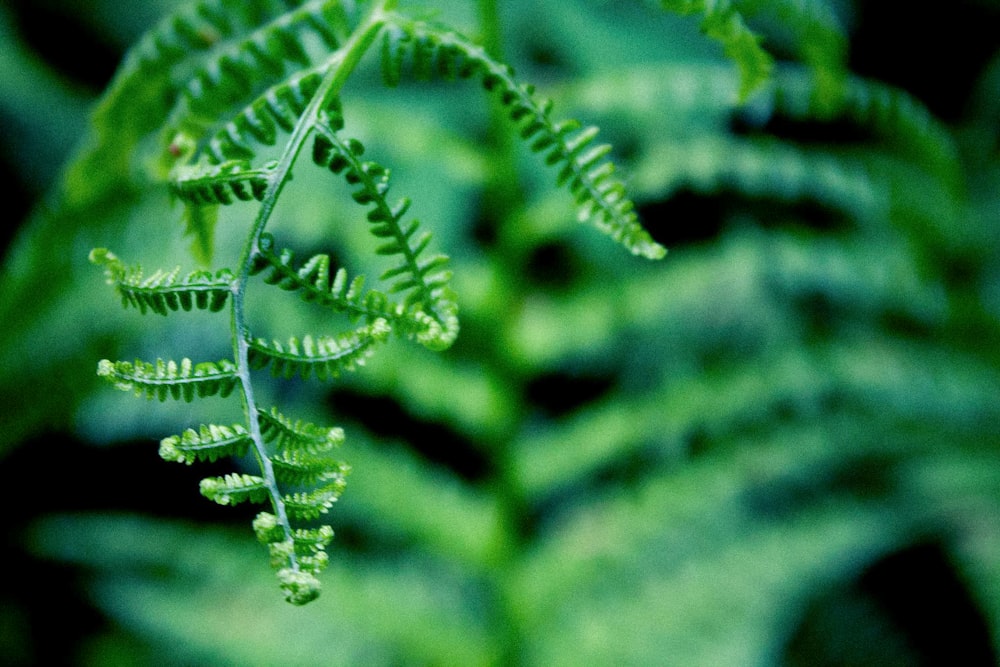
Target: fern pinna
248,78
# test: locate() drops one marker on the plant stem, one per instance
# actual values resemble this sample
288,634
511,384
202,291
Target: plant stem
498,205
338,68
504,177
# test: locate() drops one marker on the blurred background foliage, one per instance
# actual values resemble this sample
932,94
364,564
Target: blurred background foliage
779,446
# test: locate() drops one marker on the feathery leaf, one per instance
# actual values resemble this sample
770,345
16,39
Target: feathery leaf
168,379
163,291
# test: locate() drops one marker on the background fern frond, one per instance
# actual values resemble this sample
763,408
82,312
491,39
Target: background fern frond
723,22
163,291
883,110
819,38
242,73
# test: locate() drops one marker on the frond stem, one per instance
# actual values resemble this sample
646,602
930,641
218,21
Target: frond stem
337,68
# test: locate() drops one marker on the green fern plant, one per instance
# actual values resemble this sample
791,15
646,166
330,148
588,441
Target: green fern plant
249,87
720,459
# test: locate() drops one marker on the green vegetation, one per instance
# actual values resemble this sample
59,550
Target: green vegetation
777,445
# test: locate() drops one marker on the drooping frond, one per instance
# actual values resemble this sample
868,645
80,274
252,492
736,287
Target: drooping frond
314,283
324,357
819,38
311,505
235,488
306,540
287,435
231,95
723,22
206,184
423,280
300,468
583,166
209,443
278,108
149,83
168,379
165,291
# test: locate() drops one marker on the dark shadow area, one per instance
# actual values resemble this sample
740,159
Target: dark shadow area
553,265
839,132
45,602
558,394
937,55
909,609
690,218
66,45
387,420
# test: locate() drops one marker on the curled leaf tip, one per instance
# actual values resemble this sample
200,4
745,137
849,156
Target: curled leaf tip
299,587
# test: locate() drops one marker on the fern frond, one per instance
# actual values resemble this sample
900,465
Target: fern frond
306,540
168,379
724,23
240,72
268,49
311,505
584,169
278,108
139,100
235,488
234,180
164,291
287,435
325,356
201,27
423,279
314,282
300,468
209,443
306,547
820,40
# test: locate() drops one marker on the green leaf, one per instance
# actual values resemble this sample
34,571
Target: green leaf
723,22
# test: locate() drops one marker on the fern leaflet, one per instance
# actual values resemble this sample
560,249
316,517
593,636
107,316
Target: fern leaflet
209,443
723,22
600,196
165,291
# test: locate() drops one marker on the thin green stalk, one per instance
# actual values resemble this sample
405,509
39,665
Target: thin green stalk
498,205
504,177
338,68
